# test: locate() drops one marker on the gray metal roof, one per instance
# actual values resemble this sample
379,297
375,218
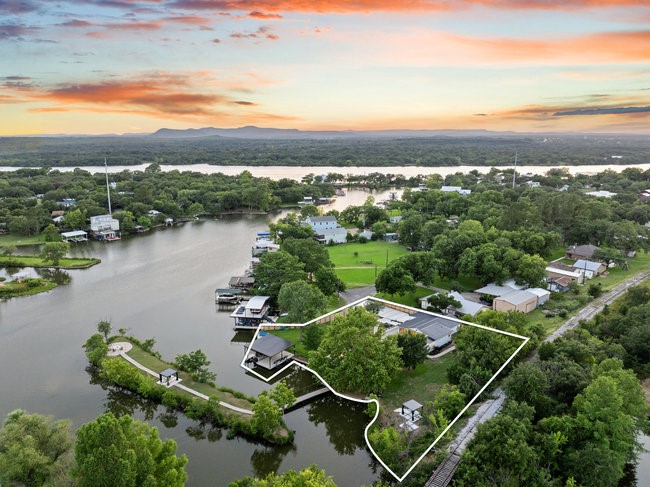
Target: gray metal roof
494,290
412,405
517,297
434,327
270,345
589,265
257,302
467,307
168,372
328,218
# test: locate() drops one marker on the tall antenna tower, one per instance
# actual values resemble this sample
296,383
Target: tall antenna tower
514,173
108,189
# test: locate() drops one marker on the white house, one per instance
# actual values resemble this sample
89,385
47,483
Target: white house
320,223
456,189
588,268
104,226
327,229
602,194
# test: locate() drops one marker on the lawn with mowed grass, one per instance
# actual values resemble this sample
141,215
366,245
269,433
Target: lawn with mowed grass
154,363
17,240
293,335
421,383
368,254
33,261
357,277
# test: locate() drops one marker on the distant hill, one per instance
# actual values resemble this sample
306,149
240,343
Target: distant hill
252,132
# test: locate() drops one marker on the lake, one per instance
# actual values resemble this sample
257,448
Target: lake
161,284
297,173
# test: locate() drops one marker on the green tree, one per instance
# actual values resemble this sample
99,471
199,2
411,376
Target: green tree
414,348
395,279
312,254
353,357
275,269
309,477
531,270
528,383
438,302
328,282
35,450
54,251
450,400
51,234
196,364
104,327
301,301
267,416
127,221
96,349
75,219
282,395
114,451
388,445
312,335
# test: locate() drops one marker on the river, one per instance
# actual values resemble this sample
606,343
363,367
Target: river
160,284
297,173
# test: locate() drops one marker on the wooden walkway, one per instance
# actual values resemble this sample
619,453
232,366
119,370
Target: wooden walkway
183,387
308,396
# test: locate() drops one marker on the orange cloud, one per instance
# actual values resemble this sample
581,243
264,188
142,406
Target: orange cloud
427,47
368,6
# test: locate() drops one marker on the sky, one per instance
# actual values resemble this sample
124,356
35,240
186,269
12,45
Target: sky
128,66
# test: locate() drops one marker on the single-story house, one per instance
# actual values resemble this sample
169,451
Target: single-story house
495,290
467,307
576,252
589,269
523,301
391,237
553,273
437,329
558,284
395,219
367,234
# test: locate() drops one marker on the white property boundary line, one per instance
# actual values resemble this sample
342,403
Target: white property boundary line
368,401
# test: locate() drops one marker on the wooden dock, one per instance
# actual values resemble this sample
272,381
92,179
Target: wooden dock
306,397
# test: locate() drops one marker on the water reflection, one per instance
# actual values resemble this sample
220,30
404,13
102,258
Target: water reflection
342,429
58,276
266,460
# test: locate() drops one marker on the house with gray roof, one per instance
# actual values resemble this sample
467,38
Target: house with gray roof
589,269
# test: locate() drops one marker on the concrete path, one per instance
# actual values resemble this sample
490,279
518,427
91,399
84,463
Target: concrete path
181,386
308,396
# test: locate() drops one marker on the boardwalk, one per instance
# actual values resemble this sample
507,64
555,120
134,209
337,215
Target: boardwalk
445,471
308,396
184,388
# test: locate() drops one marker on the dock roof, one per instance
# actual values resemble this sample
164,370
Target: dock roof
270,345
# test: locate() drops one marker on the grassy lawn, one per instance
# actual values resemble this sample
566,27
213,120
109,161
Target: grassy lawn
31,261
420,384
18,240
357,277
14,289
557,253
368,254
408,299
157,365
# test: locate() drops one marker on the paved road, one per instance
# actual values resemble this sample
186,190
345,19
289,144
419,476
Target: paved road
491,407
361,292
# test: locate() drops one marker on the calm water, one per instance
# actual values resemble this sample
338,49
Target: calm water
279,172
161,285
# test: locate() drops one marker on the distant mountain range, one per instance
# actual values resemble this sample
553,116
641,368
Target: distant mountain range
252,132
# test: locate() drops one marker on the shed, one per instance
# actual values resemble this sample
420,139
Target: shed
542,294
523,301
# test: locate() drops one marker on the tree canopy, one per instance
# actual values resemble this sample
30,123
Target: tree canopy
121,451
353,357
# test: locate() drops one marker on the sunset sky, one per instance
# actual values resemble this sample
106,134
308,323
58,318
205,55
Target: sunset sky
119,66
